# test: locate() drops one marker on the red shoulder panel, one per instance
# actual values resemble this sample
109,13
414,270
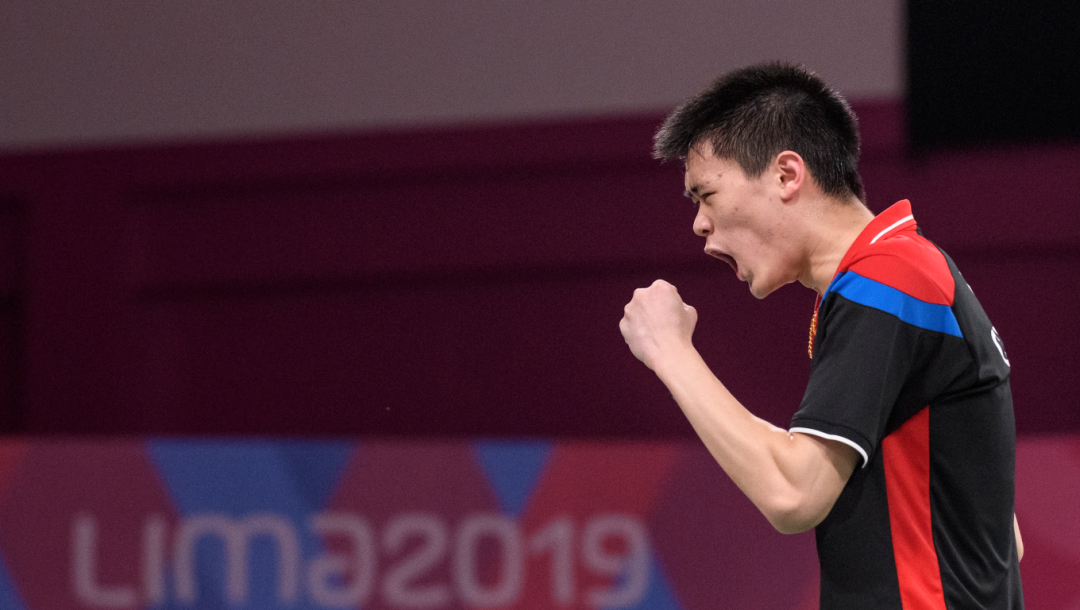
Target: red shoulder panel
910,264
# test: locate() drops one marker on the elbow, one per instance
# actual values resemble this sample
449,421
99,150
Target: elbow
789,523
793,513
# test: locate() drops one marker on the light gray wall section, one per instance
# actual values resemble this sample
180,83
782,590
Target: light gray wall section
110,71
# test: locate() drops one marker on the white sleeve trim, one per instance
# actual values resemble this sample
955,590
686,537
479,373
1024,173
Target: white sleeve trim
834,437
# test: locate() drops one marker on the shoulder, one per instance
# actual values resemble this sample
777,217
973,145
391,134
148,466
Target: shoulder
907,263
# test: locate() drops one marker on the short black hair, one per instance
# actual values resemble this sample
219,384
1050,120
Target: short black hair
755,113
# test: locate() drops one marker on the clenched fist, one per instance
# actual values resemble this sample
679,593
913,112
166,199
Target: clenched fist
655,321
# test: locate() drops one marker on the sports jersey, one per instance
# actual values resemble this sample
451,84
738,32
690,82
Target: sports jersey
908,370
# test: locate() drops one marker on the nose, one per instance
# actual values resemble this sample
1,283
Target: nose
702,224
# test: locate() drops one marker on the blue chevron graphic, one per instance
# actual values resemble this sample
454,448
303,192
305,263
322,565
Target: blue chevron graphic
513,467
238,479
9,595
659,595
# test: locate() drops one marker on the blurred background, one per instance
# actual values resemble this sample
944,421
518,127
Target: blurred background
419,221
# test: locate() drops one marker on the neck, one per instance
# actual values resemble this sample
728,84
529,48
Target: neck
832,228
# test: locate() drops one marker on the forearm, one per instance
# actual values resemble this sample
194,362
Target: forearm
776,470
793,479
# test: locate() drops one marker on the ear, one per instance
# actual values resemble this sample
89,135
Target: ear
791,174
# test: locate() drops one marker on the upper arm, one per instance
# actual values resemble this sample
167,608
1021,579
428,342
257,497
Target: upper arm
816,470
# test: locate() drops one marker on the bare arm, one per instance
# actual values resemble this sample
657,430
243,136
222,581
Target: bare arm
1019,540
794,479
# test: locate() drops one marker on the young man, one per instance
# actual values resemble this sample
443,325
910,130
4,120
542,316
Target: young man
902,452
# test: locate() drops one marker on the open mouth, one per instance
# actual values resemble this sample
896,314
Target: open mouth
727,259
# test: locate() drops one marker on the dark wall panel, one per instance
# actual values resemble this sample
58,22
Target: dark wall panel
982,73
465,282
12,323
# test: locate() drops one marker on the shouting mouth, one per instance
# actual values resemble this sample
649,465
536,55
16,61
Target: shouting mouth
727,259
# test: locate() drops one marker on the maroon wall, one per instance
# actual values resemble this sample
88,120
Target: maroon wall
461,282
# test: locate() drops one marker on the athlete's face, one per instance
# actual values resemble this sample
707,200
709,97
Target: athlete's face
741,220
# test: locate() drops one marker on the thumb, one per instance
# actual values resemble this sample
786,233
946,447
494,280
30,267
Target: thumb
693,314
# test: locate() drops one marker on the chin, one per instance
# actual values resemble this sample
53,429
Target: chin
761,290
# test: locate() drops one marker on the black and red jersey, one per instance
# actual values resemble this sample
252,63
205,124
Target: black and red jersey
908,370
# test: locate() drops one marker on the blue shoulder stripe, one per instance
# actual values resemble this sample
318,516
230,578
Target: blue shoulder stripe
865,291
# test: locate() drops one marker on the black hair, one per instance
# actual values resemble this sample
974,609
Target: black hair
754,113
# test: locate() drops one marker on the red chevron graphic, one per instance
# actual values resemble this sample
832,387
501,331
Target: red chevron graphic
11,457
422,491
582,483
113,487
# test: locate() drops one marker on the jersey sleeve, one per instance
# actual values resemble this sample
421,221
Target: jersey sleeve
874,348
